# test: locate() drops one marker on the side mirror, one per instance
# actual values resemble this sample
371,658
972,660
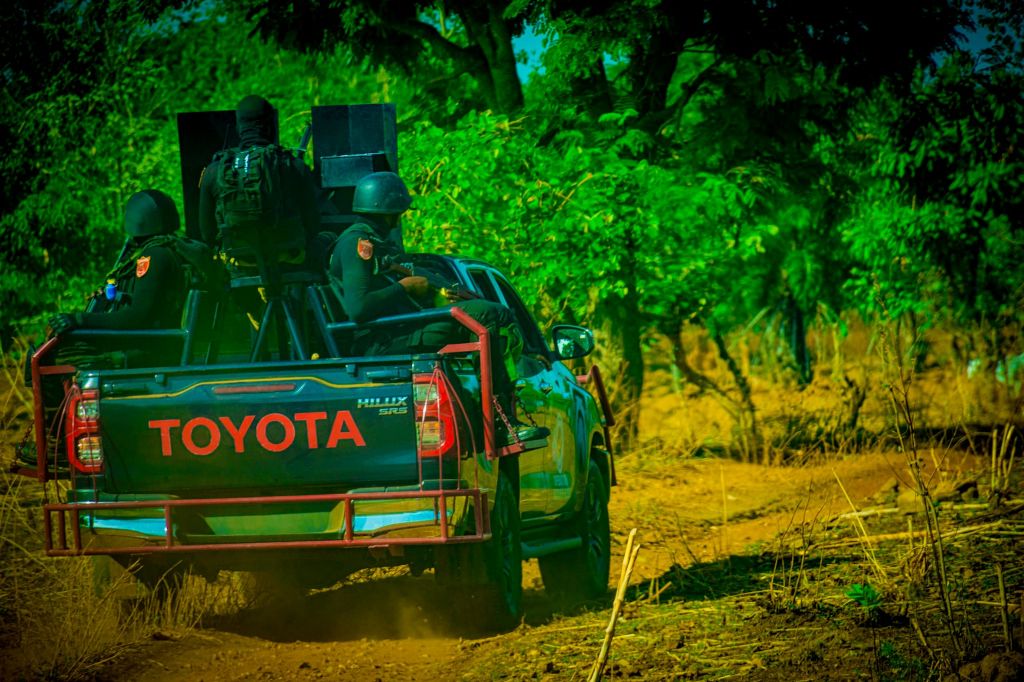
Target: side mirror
572,341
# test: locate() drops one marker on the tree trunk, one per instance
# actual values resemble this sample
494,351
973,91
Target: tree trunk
685,370
626,322
798,340
487,28
591,90
653,62
750,439
623,324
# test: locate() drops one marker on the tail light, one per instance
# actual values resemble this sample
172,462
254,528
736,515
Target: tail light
435,416
85,449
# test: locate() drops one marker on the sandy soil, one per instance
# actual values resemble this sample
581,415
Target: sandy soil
401,627
710,530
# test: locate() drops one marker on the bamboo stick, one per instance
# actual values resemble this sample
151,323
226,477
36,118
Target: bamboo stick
859,540
1004,610
864,538
628,561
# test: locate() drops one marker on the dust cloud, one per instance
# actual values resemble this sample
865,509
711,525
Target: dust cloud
367,605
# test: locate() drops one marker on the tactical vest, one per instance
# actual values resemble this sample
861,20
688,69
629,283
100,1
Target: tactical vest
199,270
255,211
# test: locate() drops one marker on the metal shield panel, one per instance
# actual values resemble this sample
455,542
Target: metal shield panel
350,141
355,129
201,134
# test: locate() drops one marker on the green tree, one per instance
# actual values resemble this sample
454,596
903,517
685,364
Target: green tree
941,217
470,36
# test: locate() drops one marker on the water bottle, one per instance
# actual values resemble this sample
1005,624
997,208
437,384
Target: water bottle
110,291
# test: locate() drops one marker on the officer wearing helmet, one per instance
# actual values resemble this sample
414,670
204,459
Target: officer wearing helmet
144,290
362,256
374,286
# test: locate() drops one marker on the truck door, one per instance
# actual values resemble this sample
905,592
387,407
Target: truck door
553,403
556,403
533,488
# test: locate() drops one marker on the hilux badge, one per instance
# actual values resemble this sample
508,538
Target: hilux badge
385,406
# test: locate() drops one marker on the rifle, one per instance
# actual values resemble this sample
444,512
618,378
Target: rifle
304,140
444,291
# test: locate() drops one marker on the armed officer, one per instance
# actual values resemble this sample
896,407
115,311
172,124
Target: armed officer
260,195
374,286
145,289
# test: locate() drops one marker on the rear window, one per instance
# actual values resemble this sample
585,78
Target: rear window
531,335
483,285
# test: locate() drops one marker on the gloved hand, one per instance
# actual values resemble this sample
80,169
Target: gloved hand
64,322
416,286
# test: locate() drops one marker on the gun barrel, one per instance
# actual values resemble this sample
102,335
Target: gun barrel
304,141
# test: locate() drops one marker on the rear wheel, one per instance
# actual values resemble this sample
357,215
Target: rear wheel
488,577
503,556
582,573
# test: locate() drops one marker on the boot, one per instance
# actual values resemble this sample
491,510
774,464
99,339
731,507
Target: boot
512,431
532,437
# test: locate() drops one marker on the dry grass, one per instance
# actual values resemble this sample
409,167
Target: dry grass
747,569
63,618
786,608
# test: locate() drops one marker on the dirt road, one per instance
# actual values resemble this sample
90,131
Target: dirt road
401,627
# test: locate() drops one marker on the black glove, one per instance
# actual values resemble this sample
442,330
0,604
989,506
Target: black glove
63,322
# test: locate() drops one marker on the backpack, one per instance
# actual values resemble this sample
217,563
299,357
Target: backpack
254,211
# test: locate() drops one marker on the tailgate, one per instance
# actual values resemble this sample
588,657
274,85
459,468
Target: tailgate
327,427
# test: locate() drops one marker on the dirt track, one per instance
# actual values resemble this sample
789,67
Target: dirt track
732,581
401,628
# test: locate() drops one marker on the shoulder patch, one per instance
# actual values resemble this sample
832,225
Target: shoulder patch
142,266
365,249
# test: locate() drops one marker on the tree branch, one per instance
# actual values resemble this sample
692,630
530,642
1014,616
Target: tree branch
432,37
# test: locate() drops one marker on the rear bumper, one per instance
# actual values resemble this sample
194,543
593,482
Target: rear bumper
367,519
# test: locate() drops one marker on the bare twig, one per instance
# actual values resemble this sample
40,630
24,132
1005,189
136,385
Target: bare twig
899,399
970,530
628,561
920,635
874,511
1004,611
863,538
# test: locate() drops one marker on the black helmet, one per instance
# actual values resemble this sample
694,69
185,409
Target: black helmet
381,193
150,212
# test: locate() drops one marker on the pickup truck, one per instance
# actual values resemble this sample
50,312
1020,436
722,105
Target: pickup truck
328,465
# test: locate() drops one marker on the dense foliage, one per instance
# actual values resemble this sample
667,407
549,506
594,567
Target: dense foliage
743,166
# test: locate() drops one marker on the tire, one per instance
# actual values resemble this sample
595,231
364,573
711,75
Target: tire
582,574
487,579
502,596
